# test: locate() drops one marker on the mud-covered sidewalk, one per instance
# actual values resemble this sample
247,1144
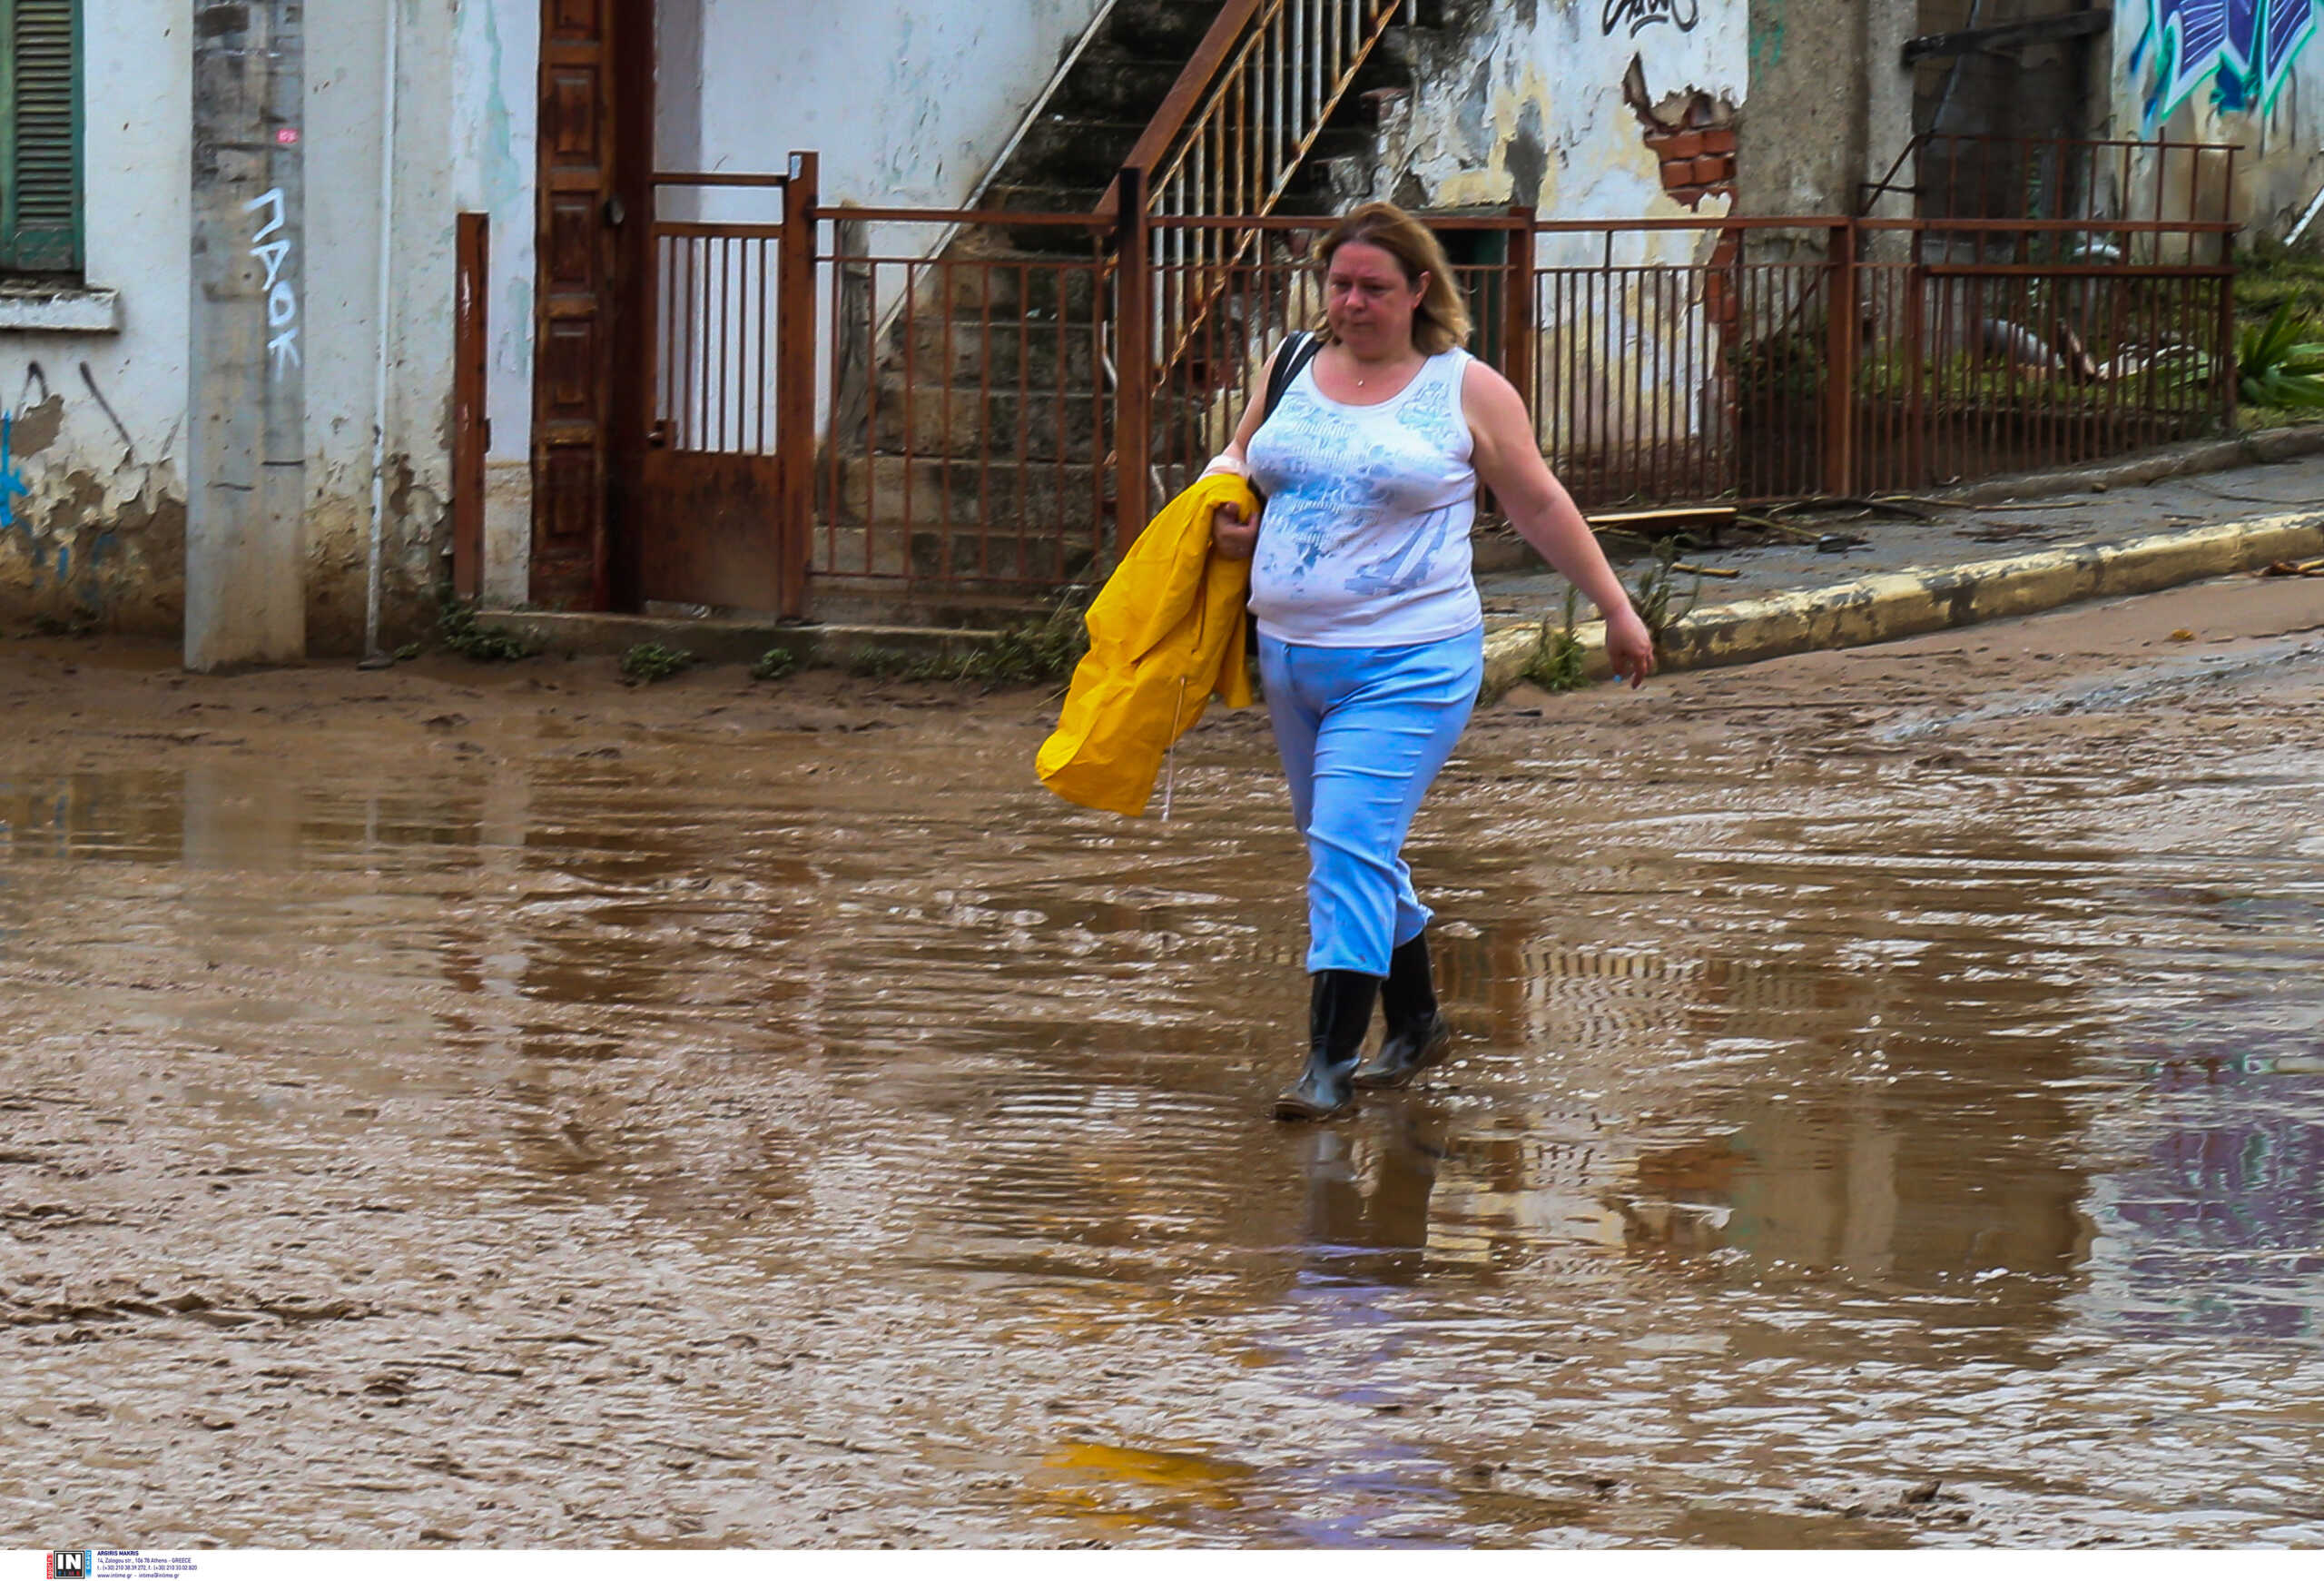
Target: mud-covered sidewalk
1851,573
493,1105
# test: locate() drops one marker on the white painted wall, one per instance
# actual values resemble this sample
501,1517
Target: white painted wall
909,102
119,474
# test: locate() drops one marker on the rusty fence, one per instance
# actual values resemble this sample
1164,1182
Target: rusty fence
728,408
1001,401
967,407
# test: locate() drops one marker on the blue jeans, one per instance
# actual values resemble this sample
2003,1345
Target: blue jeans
1363,731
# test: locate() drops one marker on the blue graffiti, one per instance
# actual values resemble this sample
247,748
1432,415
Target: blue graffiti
12,482
2243,48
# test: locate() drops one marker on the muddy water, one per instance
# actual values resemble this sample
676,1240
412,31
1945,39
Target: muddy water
565,1135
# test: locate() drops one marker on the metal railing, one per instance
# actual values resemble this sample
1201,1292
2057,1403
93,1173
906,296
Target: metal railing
966,415
922,428
2090,183
1232,135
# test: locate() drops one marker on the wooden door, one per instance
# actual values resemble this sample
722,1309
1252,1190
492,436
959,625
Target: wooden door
596,88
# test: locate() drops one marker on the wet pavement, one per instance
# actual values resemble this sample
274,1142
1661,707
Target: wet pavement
1891,1111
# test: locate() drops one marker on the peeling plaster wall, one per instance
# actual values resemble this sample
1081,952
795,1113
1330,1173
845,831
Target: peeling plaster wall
1587,109
1522,102
95,532
92,505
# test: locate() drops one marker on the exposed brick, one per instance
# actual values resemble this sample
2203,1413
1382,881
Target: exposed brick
1717,139
1677,173
1710,168
1682,145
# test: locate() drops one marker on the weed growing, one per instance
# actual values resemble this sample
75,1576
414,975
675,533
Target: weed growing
774,664
650,661
1556,663
457,629
1652,597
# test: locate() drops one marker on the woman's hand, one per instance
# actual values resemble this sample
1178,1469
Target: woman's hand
1231,536
1629,647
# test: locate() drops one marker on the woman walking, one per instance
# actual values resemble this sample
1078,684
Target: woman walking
1370,635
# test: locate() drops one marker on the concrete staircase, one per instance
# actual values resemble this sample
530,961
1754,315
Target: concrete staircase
987,397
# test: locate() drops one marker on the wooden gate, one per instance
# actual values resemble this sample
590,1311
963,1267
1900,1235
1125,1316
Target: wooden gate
596,90
721,504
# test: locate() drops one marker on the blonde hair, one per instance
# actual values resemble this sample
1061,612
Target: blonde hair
1441,319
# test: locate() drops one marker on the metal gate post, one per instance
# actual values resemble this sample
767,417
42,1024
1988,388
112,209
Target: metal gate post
1517,355
794,377
1133,360
1840,349
471,429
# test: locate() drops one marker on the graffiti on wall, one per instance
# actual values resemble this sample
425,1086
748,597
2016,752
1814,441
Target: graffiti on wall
1683,15
2243,48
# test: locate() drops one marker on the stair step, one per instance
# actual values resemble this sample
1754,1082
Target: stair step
1109,82
1076,152
968,570
1006,349
937,420
1166,28
1012,283
932,491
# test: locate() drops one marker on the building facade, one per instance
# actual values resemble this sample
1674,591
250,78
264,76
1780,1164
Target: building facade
157,364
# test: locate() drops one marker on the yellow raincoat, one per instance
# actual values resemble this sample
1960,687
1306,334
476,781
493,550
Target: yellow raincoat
1164,633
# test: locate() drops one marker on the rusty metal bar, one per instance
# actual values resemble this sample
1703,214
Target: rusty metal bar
713,179
1133,353
794,371
471,428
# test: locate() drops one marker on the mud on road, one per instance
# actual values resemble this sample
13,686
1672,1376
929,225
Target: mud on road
500,1107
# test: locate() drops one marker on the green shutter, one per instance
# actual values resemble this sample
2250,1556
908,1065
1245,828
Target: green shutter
40,135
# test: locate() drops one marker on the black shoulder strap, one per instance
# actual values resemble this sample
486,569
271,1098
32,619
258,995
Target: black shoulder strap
1298,353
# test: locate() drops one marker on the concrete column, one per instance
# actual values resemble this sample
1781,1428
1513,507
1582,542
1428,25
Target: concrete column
246,487
1829,103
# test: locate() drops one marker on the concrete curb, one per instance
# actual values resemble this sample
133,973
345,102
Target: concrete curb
1499,549
2256,448
728,641
1911,603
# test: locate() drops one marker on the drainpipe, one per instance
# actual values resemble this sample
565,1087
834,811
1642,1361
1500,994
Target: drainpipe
374,554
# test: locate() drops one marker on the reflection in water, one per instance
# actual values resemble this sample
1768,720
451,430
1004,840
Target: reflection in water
688,1149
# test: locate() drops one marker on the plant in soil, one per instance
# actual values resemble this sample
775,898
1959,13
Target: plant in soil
2280,363
650,661
457,629
1556,663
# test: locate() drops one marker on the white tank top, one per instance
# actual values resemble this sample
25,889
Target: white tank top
1365,541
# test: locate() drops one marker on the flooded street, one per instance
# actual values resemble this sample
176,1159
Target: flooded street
495,1107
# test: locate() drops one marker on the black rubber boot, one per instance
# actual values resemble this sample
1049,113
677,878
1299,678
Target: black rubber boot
1418,1036
1339,1012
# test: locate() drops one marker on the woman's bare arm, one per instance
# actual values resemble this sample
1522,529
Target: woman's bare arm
1508,462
